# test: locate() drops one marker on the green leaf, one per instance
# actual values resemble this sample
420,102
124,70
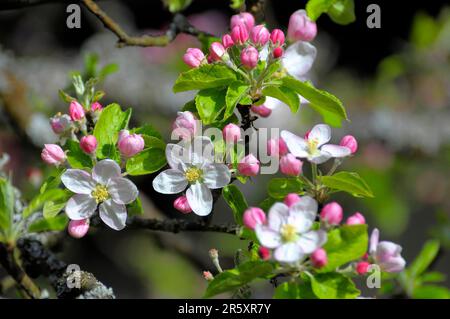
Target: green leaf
107,70
345,244
237,4
148,130
135,208
236,200
279,187
432,276
315,8
177,5
57,223
293,290
333,286
424,259
320,99
53,181
329,118
431,292
76,157
267,203
190,106
285,95
204,77
112,119
235,92
6,205
342,12
210,103
51,208
348,182
149,160
66,98
38,201
233,279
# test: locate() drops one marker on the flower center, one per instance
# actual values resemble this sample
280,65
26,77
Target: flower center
312,144
288,233
100,193
193,174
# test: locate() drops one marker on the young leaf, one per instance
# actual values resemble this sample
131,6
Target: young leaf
425,258
431,292
6,205
76,157
176,5
148,130
53,181
135,208
345,244
236,200
279,187
148,161
38,201
110,122
233,279
210,103
320,99
342,12
293,290
333,286
51,224
348,182
204,77
285,95
235,92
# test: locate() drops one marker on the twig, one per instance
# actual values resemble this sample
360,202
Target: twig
179,25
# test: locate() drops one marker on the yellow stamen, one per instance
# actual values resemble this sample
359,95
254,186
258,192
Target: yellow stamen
100,193
288,233
193,174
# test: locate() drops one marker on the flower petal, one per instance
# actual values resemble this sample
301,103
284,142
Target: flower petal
321,133
296,145
200,199
216,175
288,253
299,58
267,236
114,215
319,158
78,181
373,243
171,181
202,150
310,241
336,150
395,264
278,215
177,156
122,190
80,206
104,170
303,213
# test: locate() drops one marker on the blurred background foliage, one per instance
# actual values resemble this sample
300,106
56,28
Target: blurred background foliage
394,81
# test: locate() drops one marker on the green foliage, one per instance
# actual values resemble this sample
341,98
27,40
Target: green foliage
204,77
210,104
236,200
285,95
112,119
232,279
235,93
6,206
52,207
150,160
237,4
340,11
38,202
425,258
424,31
76,157
147,130
135,208
333,286
348,182
52,181
345,244
278,188
176,5
57,223
295,290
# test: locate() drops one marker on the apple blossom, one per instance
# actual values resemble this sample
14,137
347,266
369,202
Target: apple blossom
243,18
104,188
60,123
185,125
227,41
78,228
332,213
239,34
319,258
291,199
189,167
277,37
130,144
181,204
53,154
88,144
386,254
301,27
356,219
314,148
276,147
231,133
249,166
291,166
193,57
259,35
288,230
76,111
253,216
216,51
249,57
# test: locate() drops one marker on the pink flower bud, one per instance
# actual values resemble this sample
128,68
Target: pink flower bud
239,34
216,51
291,199
350,142
319,258
76,111
185,125
249,57
277,37
60,123
208,275
332,213
362,267
130,144
181,204
261,110
78,228
193,57
264,253
301,28
88,144
276,147
53,154
227,41
260,35
254,216
249,166
356,219
96,106
290,165
231,133
243,18
278,52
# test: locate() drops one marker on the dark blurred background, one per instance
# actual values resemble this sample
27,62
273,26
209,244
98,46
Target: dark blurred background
394,82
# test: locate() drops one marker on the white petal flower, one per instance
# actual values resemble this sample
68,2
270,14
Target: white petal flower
105,187
288,230
192,164
314,148
386,254
299,58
